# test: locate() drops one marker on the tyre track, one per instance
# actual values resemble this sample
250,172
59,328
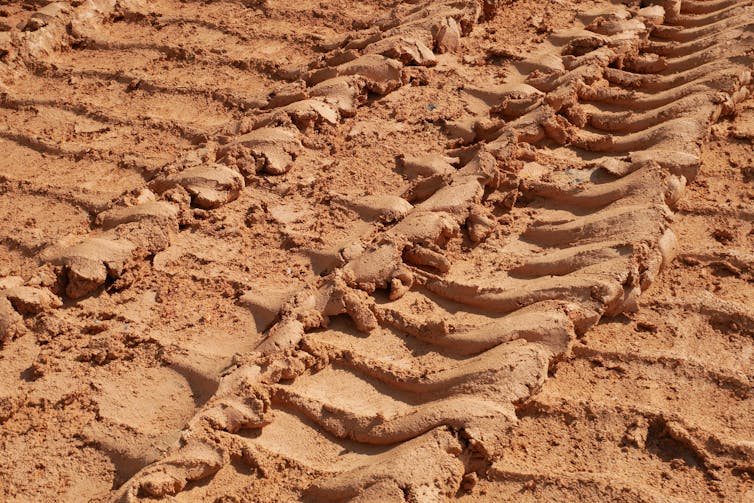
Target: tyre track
569,263
467,311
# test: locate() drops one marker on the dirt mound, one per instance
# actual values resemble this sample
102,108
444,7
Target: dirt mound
273,251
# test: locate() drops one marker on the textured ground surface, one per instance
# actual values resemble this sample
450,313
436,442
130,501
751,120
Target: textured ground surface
376,251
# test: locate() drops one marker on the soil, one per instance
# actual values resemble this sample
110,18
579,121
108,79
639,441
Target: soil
418,251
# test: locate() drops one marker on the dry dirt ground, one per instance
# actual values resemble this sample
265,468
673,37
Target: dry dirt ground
376,251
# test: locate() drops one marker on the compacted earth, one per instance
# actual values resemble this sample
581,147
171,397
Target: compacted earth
389,251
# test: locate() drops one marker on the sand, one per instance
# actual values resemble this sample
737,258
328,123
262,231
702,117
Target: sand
366,251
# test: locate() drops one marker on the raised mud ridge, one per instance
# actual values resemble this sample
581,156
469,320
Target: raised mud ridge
599,133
